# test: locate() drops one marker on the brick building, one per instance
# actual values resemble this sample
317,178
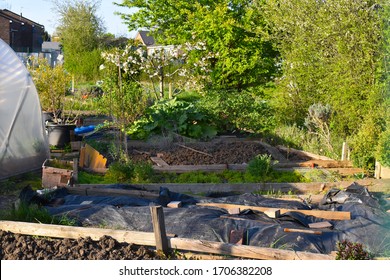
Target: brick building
22,34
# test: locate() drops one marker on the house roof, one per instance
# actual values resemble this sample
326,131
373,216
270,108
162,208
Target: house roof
146,39
16,17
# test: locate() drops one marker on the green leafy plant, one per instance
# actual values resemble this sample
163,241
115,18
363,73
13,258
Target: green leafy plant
120,172
260,166
235,110
127,171
347,250
52,84
173,116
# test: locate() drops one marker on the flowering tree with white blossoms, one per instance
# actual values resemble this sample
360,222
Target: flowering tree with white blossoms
124,98
175,65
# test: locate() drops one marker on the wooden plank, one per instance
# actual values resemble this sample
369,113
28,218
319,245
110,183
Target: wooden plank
82,157
242,167
330,215
234,211
159,228
148,239
56,231
111,192
174,204
272,213
273,151
303,153
92,158
159,161
373,185
317,232
325,224
191,168
244,251
316,163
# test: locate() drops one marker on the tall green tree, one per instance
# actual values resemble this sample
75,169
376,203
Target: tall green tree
80,29
230,45
332,53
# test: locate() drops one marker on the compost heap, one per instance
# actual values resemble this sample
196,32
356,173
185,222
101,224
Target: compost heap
369,224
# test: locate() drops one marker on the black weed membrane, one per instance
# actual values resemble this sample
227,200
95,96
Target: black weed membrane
369,224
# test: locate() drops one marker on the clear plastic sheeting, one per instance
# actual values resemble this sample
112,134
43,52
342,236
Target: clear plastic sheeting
23,141
370,225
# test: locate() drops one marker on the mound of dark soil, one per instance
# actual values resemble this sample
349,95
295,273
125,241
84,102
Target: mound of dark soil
199,154
26,247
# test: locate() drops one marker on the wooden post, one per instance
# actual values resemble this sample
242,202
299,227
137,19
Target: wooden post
159,228
344,151
75,170
377,170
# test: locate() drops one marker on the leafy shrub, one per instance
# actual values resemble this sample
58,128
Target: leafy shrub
363,144
233,110
173,116
347,250
383,148
129,172
120,172
259,167
143,173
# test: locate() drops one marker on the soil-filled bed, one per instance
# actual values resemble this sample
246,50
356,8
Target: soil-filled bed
26,247
201,153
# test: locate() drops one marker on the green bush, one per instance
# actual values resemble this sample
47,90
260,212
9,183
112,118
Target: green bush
383,148
129,172
259,167
173,116
143,173
120,172
364,143
234,110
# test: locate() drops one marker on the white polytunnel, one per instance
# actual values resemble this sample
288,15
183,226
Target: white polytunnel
23,140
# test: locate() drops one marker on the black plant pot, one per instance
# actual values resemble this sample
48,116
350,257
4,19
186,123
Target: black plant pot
59,134
47,116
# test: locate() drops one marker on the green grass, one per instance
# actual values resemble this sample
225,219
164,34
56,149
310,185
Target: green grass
144,175
13,185
33,213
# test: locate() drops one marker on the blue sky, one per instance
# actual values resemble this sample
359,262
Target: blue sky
41,11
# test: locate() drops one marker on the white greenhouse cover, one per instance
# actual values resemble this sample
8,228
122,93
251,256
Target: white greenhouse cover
23,140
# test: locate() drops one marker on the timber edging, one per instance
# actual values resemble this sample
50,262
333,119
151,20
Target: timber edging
148,239
373,185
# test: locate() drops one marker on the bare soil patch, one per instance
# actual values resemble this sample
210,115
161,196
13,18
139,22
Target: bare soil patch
26,247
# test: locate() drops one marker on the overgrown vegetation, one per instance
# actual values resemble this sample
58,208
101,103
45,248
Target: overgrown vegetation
305,74
140,172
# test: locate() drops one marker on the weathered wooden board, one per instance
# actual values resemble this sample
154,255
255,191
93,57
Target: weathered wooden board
299,230
244,251
373,185
304,167
330,215
148,239
303,153
111,192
